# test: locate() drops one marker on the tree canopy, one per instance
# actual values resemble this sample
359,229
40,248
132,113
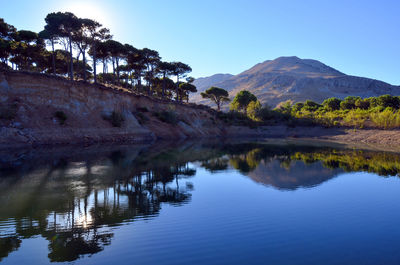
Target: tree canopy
242,100
217,95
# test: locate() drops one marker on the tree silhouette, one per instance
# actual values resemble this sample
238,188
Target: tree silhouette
179,70
216,94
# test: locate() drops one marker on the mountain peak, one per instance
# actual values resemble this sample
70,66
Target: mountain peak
295,66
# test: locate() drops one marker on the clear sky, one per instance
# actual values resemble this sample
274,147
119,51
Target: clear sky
229,36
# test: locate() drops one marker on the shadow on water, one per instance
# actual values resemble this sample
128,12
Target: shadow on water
75,198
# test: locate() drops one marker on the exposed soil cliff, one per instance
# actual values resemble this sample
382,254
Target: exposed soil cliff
29,103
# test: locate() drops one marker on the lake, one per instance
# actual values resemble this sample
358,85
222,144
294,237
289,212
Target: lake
255,202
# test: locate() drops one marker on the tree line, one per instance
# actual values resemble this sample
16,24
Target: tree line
66,44
381,112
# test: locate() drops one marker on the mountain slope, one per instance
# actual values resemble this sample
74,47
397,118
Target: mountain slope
298,79
204,83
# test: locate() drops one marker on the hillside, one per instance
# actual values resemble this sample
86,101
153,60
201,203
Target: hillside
29,103
203,83
298,79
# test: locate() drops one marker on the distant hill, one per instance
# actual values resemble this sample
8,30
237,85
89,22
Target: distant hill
285,78
204,83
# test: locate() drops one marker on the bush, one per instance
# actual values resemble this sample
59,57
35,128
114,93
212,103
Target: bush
386,119
349,103
332,104
311,106
297,107
266,114
253,110
236,118
388,101
167,117
373,102
355,118
362,103
61,117
116,119
285,107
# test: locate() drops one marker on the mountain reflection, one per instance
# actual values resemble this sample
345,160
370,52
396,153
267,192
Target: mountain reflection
76,197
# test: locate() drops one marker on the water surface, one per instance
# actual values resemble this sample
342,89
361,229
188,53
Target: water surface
200,203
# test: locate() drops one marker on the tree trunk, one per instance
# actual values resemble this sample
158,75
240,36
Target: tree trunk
53,56
117,62
139,84
177,88
163,86
77,65
113,65
94,63
84,65
71,69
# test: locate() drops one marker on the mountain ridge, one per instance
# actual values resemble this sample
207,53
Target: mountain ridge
292,78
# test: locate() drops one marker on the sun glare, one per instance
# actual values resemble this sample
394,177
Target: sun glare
88,10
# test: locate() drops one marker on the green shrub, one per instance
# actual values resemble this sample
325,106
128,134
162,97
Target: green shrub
115,118
253,110
297,107
311,106
61,117
167,117
349,103
332,104
373,102
388,101
386,119
285,107
355,118
362,104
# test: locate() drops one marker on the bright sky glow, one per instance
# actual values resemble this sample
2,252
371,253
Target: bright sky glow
229,36
86,10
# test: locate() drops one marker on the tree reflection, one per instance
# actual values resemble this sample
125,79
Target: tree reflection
75,203
292,166
74,198
8,245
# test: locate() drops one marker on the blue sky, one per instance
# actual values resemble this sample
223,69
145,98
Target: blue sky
229,36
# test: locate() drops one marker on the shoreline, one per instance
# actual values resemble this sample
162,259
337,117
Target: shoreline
371,139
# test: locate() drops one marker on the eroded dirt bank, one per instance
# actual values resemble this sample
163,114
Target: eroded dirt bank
29,103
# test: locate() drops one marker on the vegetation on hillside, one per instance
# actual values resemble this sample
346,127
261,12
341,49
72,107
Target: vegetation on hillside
75,47
381,112
375,112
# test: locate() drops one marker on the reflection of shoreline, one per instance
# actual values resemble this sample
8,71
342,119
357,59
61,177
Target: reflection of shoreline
298,175
293,166
71,200
74,196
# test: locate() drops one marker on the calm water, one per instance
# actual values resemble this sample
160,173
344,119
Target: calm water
200,203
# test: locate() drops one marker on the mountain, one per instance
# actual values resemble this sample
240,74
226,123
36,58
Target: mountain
285,78
204,83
